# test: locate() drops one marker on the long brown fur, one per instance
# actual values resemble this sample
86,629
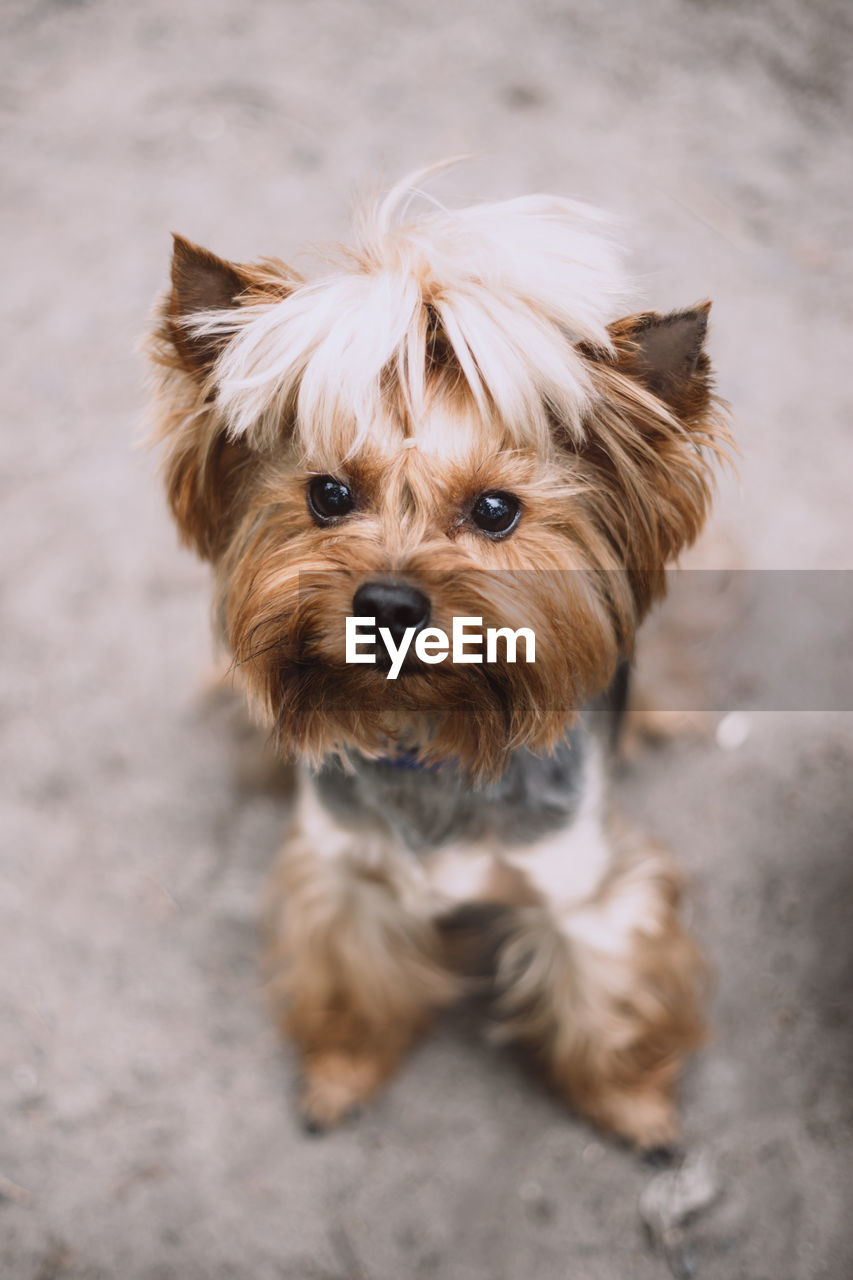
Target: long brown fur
611,1019
606,438
355,977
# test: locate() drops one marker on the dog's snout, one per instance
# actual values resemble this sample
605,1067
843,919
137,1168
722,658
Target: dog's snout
394,605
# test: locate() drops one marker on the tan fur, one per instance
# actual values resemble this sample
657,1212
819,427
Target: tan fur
448,355
354,968
596,975
609,994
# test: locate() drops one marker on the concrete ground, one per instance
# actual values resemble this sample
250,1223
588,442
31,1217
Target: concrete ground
147,1132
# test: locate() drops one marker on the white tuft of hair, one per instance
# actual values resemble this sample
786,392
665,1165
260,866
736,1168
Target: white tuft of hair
514,286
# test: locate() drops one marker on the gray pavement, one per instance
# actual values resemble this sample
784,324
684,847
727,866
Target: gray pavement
146,1128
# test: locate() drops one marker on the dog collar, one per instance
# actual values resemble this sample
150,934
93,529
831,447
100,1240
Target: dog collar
412,763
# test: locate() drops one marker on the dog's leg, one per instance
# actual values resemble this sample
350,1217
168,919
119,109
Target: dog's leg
354,971
606,991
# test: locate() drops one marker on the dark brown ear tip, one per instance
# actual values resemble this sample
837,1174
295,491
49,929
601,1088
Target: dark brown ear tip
691,322
697,315
189,255
700,314
182,248
186,257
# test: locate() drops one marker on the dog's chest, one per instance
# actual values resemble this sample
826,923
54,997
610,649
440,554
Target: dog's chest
429,809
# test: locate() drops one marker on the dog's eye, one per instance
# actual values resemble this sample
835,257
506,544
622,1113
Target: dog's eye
496,513
328,499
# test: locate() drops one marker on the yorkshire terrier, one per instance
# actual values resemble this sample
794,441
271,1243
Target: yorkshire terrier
455,421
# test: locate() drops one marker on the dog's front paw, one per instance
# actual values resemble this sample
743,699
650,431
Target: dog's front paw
644,1117
334,1087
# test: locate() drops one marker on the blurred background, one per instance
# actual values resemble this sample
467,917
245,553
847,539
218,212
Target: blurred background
146,1124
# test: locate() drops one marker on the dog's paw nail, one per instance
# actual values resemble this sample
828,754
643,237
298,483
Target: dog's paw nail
312,1127
661,1156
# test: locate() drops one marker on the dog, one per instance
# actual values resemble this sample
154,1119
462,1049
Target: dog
458,418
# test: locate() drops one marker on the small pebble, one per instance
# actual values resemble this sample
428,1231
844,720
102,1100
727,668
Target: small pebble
670,1200
733,731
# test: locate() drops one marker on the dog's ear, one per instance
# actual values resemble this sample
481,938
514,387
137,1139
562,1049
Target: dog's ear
664,353
653,432
200,282
203,470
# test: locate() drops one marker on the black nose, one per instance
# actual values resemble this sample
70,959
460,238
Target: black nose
394,605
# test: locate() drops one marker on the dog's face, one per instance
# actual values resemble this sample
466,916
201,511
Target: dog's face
329,473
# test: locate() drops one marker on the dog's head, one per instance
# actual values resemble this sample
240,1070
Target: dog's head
453,422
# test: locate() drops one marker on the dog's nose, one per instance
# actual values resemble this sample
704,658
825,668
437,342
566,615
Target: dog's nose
394,605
